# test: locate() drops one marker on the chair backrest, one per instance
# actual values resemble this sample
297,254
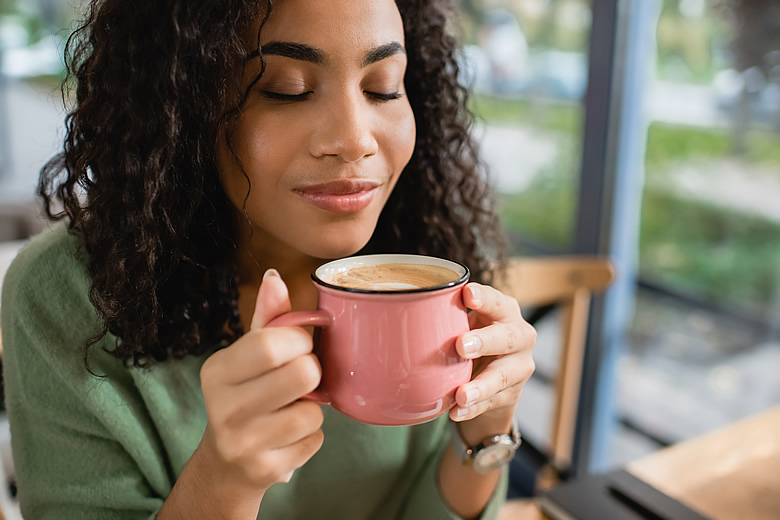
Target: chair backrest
568,282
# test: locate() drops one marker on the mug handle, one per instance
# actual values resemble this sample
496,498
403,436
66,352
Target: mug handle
318,318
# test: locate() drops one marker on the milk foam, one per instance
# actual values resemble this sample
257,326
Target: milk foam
393,277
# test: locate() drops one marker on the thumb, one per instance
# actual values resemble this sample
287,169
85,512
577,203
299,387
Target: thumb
273,300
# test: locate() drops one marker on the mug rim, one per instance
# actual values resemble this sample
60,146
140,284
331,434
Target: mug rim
461,280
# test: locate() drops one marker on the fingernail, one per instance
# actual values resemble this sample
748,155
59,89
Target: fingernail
472,345
476,293
461,413
472,395
271,272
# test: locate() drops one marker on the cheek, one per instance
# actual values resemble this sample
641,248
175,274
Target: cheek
251,148
403,137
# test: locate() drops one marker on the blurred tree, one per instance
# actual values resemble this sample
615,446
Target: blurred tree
755,26
755,44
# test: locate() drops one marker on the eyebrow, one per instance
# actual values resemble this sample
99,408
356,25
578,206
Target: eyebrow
303,52
296,51
382,52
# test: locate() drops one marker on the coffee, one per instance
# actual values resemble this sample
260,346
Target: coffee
393,277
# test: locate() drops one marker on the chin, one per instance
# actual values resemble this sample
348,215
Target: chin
330,248
334,251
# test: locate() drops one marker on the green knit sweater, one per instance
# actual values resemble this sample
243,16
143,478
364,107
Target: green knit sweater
92,448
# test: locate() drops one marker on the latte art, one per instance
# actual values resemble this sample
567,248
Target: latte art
393,277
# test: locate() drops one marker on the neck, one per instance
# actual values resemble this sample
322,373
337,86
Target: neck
258,252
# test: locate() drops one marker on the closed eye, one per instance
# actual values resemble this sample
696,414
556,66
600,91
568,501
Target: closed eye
277,96
378,96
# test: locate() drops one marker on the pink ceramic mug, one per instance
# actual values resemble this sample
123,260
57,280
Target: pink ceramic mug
388,357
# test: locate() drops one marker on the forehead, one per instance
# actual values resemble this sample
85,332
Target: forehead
357,24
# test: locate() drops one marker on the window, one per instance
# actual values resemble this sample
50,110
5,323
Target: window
527,66
700,347
704,347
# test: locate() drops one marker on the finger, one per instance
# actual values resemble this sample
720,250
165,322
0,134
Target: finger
496,340
256,353
298,454
289,425
505,399
490,303
278,465
282,386
273,299
499,375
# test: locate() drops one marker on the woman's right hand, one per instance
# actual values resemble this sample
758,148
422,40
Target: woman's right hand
259,429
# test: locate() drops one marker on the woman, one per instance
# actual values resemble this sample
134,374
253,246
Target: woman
216,154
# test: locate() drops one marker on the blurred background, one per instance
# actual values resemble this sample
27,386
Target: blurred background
647,130
690,134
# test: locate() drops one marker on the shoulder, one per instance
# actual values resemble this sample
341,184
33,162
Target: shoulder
50,270
47,321
45,309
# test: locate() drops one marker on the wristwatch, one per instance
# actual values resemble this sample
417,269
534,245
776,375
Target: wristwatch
490,454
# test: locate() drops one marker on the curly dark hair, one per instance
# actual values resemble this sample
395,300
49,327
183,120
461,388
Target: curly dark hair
139,184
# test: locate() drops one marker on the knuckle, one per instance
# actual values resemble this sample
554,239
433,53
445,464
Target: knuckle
514,397
207,371
306,448
305,419
495,305
513,338
531,331
504,379
313,443
268,357
307,372
296,424
275,344
265,467
313,413
530,368
220,414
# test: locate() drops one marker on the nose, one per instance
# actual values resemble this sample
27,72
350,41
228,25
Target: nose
344,129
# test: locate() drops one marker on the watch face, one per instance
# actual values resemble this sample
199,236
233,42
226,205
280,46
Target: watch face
493,457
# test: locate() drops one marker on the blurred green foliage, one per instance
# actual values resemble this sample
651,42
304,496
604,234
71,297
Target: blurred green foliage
691,48
668,144
706,249
696,246
545,211
553,116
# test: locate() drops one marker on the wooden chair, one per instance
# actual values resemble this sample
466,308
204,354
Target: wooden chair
568,283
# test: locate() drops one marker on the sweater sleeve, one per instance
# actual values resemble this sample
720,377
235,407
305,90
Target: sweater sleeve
425,500
68,463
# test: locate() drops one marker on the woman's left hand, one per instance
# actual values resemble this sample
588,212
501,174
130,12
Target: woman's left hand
500,343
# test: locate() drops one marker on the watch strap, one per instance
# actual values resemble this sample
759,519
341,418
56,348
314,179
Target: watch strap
467,453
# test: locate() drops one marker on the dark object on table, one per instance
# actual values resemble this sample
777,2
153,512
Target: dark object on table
617,495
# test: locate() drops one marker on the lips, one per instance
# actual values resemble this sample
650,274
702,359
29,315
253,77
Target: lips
340,196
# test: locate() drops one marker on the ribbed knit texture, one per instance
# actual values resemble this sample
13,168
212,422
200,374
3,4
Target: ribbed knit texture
87,448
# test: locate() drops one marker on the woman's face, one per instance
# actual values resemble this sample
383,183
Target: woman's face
326,131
